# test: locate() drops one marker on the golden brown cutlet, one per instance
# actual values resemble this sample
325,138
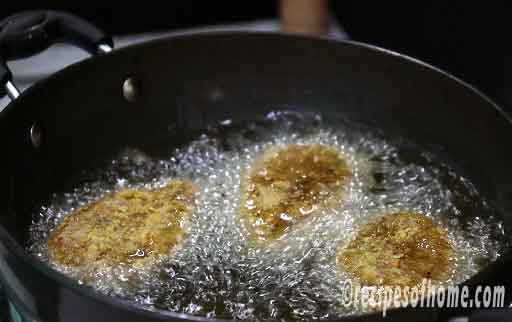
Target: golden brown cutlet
287,185
398,249
129,226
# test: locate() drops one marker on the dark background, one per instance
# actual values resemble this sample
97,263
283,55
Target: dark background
467,38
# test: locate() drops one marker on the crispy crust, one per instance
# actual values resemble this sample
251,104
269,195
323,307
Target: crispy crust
285,186
398,249
128,226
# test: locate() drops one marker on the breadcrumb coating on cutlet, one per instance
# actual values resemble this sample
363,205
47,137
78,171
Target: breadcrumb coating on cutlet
285,186
129,226
398,249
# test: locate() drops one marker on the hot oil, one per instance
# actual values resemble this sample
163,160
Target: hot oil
220,271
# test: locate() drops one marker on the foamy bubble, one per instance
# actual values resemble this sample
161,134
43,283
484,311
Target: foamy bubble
219,272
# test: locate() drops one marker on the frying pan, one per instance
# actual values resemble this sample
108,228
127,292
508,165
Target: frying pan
152,94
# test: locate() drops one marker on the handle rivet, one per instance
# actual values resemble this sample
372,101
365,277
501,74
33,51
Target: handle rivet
36,135
130,89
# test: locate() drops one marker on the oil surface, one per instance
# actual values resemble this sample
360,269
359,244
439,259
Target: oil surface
219,271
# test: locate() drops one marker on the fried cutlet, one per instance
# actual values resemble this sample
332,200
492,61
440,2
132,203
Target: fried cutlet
129,226
399,249
287,185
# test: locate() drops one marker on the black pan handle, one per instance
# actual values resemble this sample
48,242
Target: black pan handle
27,33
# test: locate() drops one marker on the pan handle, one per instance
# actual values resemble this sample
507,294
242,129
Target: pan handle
27,33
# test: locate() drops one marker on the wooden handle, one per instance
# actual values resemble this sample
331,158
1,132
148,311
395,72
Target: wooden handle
304,16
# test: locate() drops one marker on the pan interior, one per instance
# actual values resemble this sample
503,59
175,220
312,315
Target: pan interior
219,271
